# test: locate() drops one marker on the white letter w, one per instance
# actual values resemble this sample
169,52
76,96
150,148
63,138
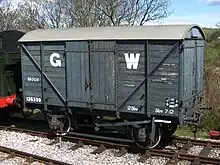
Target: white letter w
132,60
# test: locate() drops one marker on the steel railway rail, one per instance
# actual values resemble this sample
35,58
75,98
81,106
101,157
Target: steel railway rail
30,157
175,156
214,144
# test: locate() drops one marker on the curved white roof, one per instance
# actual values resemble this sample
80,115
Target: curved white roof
171,32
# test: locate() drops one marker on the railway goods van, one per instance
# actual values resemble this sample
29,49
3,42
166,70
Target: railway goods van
140,81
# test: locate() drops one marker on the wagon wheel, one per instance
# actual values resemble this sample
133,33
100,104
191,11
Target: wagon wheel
66,122
147,144
169,129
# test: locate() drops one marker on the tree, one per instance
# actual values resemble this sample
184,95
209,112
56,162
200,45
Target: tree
41,14
8,15
133,12
33,14
83,13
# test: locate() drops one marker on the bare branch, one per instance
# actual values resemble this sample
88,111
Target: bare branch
132,12
32,14
8,15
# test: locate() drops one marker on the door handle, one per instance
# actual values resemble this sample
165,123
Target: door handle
88,84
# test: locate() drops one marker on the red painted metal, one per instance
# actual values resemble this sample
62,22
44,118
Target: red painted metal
214,134
7,101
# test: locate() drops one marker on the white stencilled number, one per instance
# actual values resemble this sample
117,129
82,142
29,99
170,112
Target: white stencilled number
169,111
132,59
166,111
33,79
33,99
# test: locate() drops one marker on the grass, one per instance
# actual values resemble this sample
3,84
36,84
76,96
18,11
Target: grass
186,131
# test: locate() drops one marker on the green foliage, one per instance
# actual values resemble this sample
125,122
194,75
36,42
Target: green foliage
212,119
188,131
212,79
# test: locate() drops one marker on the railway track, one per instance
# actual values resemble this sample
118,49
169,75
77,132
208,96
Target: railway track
174,156
29,157
193,141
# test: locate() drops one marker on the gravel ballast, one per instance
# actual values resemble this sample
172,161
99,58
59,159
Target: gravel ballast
215,153
195,150
82,156
41,146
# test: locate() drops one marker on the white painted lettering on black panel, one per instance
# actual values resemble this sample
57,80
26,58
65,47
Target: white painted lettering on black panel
132,59
33,99
33,79
53,62
166,111
132,108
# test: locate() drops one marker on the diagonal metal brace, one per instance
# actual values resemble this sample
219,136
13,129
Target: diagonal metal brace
39,69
